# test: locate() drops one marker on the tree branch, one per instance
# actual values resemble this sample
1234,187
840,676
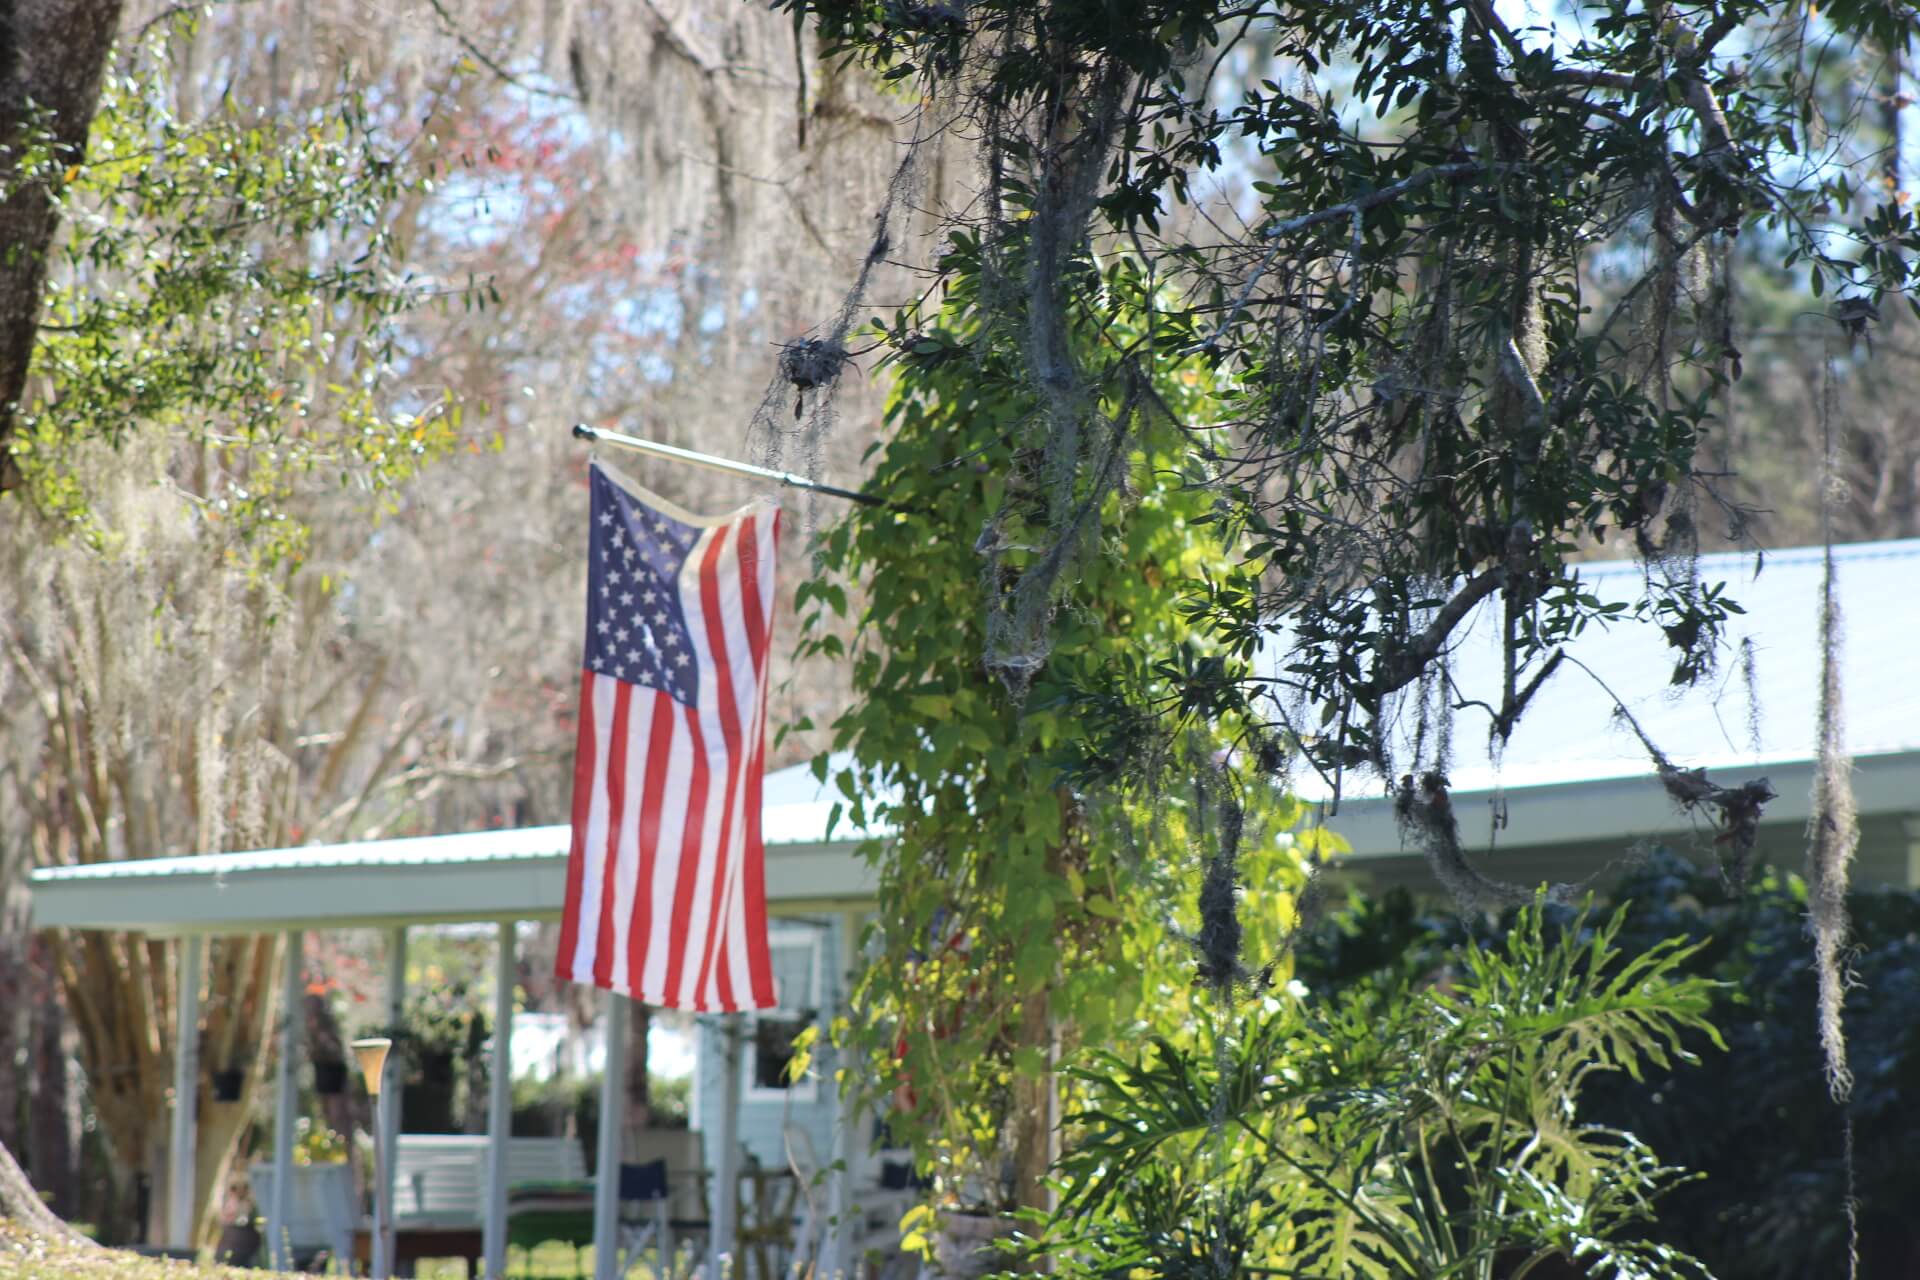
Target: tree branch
1347,209
1492,21
1397,670
1613,80
466,42
1373,199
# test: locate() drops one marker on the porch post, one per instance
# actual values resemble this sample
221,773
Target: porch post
280,1210
726,1164
186,1095
500,1105
387,1118
606,1170
838,1240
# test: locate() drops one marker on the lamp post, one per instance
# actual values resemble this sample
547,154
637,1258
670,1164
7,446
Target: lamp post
372,1056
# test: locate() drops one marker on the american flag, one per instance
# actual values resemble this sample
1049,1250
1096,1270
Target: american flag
666,894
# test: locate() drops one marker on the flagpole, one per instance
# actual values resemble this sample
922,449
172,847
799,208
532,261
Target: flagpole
609,1150
582,431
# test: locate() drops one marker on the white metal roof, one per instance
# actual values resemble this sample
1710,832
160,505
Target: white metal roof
515,874
1573,771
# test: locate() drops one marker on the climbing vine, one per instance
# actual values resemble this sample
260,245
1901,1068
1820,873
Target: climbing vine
1026,911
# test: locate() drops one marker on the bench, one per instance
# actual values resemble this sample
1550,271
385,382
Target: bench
440,1179
440,1190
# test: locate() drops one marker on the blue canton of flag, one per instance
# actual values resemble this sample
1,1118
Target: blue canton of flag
636,626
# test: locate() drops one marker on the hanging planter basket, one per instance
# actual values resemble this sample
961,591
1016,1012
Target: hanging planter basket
329,1077
436,1066
426,1104
227,1084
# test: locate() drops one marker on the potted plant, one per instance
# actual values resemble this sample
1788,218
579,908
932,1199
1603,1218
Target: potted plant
322,1184
329,1076
317,1144
227,1083
964,1095
964,1244
432,1037
965,1137
240,1239
972,1210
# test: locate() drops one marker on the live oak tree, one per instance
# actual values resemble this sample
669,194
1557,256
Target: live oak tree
219,324
19,1202
544,162
52,56
1462,287
1467,310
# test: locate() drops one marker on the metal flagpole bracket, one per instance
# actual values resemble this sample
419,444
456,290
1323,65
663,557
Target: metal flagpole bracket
581,431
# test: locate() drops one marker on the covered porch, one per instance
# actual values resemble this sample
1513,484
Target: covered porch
817,891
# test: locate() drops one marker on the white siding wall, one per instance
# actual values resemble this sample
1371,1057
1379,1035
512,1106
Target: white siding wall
806,971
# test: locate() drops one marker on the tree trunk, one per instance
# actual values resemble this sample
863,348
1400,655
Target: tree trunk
241,1025
639,1099
52,54
51,1144
16,1028
1033,1109
20,1203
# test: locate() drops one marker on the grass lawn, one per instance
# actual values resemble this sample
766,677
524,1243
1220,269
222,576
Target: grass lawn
33,1257
551,1261
28,1256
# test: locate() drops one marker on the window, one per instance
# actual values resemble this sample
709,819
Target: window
769,1050
773,1038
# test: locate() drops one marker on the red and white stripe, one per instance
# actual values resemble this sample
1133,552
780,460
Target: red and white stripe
666,885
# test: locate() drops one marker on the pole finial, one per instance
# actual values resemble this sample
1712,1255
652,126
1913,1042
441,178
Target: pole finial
372,1055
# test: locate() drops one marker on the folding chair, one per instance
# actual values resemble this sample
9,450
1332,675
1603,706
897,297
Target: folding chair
643,1216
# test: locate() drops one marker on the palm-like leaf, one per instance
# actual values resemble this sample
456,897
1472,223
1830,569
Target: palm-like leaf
1397,1133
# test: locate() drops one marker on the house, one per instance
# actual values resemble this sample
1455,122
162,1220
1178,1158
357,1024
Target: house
1573,794
1566,800
816,892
